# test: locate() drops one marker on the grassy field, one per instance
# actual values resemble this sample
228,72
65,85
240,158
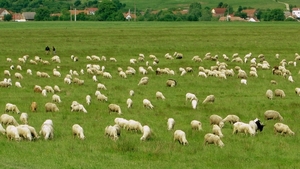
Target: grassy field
125,40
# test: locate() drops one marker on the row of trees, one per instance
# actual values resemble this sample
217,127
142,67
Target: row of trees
112,10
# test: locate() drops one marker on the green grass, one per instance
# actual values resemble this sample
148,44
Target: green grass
125,40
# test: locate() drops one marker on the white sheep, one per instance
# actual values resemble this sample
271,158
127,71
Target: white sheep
2,130
12,133
24,132
202,74
129,103
143,81
290,79
210,138
121,122
32,131
101,86
217,130
44,92
279,93
29,71
244,81
88,99
18,67
111,131
194,103
101,97
146,133
18,75
55,59
190,97
51,107
114,108
216,119
209,99
6,119
147,104
97,92
180,136
269,94
77,107
47,130
107,75
77,130
231,118
49,89
131,93
9,107
272,114
56,73
171,83
240,127
282,129
56,98
170,123
56,88
95,78
134,125
196,125
7,73
24,118
297,91
159,95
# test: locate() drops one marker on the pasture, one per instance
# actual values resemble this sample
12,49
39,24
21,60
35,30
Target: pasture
126,40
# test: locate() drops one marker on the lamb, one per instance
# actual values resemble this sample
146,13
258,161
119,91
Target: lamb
243,128
194,103
114,108
279,93
33,106
12,133
171,83
24,132
146,133
231,119
269,94
77,130
217,131
129,103
6,119
202,74
282,129
196,125
11,108
121,122
97,92
51,107
47,130
101,97
180,136
272,114
147,104
24,118
190,97
88,99
209,99
101,86
56,98
216,119
111,132
210,138
159,95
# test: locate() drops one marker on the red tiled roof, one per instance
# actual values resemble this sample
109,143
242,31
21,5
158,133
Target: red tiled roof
78,11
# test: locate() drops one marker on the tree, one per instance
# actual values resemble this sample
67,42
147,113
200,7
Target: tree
110,10
194,12
277,15
42,14
77,3
206,14
7,17
220,5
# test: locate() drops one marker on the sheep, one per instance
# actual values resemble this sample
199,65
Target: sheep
121,122
55,59
159,95
6,119
279,93
143,81
216,119
209,99
231,119
170,123
269,94
290,79
101,86
97,92
171,83
244,81
256,125
202,74
88,99
196,125
190,97
49,89
24,132
129,103
210,138
56,98
107,75
5,84
217,131
7,73
113,59
147,104
37,89
11,108
75,106
282,129
131,93
272,114
32,131
122,74
134,125
56,73
51,107
18,75
243,128
146,133
33,107
8,59
2,130
77,130
180,136
297,91
56,88
24,118
194,103
47,130
12,133
67,80
111,132
114,108
18,85
44,92
101,97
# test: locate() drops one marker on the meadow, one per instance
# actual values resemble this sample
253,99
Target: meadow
125,40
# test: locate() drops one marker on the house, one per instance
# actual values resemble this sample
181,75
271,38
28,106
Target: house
18,17
231,18
296,12
28,16
250,13
218,12
76,12
91,11
129,15
2,13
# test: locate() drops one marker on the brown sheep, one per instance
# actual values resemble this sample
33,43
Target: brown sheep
33,106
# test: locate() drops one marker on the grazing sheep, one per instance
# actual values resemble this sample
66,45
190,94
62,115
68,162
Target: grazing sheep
147,104
209,99
194,103
107,75
6,119
282,129
256,125
111,131
6,73
217,130
47,130
190,97
11,108
129,103
121,122
159,95
134,125
101,97
24,132
114,108
216,119
143,81
269,94
12,133
231,119
33,106
170,123
210,138
196,125
290,79
18,84
24,118
131,93
171,83
180,136
56,88
101,86
56,98
240,127
77,107
279,93
146,133
44,92
18,75
37,89
51,107
88,99
49,89
32,131
77,130
244,81
202,74
272,114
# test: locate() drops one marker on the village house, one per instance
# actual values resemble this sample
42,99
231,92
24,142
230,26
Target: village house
296,12
2,13
218,12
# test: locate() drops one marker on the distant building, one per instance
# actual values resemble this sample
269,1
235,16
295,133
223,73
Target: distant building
91,11
28,16
296,12
218,12
2,13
